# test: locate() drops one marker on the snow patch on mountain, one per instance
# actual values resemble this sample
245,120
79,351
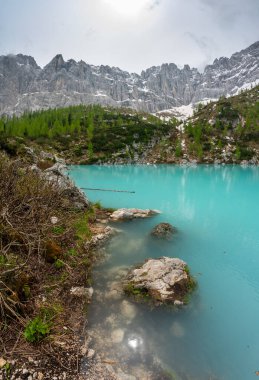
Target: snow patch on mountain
179,113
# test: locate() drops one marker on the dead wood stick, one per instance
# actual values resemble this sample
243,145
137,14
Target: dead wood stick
114,191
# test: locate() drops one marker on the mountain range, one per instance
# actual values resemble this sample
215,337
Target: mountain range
26,86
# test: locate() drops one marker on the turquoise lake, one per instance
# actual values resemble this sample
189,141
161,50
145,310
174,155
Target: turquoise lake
216,212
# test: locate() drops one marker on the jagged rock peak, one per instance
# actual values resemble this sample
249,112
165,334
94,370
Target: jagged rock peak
252,48
56,63
19,60
64,83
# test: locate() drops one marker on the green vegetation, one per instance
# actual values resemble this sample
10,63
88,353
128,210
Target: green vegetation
137,293
39,262
178,149
59,264
226,130
82,231
187,270
168,374
57,230
192,285
230,125
36,330
83,133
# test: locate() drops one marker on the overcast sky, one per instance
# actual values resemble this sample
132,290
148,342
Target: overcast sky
130,34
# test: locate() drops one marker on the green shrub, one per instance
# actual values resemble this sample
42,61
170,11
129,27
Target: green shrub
36,330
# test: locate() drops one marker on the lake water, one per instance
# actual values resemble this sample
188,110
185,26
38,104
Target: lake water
216,212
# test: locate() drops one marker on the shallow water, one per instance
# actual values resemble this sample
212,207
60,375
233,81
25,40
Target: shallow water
216,212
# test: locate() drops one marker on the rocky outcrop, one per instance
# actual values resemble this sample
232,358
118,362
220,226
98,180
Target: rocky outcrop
56,175
132,213
164,280
163,231
26,86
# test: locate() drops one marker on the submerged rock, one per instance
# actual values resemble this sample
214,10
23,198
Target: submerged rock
177,329
131,213
124,376
128,310
117,335
164,280
163,231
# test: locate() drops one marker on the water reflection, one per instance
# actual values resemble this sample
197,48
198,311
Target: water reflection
135,342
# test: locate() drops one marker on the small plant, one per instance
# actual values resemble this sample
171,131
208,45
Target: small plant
192,283
58,230
59,264
7,368
131,290
36,330
2,260
72,252
97,205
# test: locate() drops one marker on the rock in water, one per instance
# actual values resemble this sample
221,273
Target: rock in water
164,280
131,213
117,335
177,329
128,310
163,231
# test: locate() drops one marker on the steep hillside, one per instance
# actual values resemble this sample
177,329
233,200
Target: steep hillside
26,86
223,131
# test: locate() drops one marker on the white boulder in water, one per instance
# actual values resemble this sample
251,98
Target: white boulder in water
131,213
165,280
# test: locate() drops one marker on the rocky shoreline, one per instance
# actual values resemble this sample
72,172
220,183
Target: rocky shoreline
61,357
154,160
58,356
66,355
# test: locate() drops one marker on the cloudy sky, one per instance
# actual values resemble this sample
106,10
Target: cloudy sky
130,34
